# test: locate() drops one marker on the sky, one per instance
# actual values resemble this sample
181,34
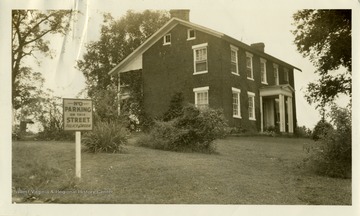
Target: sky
249,22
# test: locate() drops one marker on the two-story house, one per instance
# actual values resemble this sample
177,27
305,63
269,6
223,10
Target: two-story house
254,89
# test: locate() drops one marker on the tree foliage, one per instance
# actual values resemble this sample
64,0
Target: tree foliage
118,38
29,30
325,37
332,155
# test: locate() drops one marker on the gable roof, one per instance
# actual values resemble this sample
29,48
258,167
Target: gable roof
136,55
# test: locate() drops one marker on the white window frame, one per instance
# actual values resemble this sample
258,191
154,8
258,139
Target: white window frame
164,39
201,90
263,74
276,72
199,47
249,55
188,34
234,49
252,96
238,92
286,75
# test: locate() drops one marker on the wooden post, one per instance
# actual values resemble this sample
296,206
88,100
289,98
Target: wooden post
78,154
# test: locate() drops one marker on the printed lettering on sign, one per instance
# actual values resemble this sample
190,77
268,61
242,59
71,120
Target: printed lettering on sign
77,114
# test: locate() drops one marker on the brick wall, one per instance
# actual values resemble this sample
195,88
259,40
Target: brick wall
168,69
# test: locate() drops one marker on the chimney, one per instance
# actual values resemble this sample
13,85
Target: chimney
258,46
183,14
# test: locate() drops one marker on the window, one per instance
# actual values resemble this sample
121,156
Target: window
236,102
276,74
201,97
263,71
286,75
167,39
191,34
234,60
200,58
249,66
251,98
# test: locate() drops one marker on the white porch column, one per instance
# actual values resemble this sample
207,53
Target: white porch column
290,115
261,114
119,95
282,113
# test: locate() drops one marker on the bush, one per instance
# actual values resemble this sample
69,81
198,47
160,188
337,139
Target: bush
194,130
332,156
56,134
303,132
106,137
321,129
176,107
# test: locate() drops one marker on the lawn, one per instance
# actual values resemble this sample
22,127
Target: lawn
246,170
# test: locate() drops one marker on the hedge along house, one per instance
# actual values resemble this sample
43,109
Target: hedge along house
255,90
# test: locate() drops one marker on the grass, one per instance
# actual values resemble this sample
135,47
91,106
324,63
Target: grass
246,170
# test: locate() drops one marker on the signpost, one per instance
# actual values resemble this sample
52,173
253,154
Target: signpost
77,116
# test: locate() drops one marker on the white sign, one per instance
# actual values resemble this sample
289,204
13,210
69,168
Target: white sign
77,114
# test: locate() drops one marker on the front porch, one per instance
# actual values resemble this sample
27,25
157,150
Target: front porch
276,108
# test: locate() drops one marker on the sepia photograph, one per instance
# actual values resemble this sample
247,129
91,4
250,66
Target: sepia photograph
179,107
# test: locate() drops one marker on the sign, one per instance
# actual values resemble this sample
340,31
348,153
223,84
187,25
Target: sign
77,114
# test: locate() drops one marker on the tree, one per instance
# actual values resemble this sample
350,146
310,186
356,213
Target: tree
118,38
325,37
29,28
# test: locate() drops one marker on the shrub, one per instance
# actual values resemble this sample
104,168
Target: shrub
303,132
194,130
145,122
206,125
106,137
321,129
332,156
56,134
165,136
175,108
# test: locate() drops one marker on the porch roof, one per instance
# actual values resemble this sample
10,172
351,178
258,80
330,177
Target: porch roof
284,89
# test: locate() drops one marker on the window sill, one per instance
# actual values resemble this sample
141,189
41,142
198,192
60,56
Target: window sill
189,39
252,119
237,117
166,44
265,83
252,79
202,72
235,74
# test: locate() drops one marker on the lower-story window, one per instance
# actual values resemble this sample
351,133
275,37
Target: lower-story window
236,102
201,97
251,108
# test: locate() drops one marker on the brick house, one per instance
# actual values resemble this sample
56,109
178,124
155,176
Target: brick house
254,89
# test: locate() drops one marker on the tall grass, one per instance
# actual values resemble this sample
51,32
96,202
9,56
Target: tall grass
108,137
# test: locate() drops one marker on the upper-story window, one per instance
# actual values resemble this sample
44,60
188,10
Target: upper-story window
286,75
276,74
200,58
167,39
201,97
249,66
191,34
263,71
234,60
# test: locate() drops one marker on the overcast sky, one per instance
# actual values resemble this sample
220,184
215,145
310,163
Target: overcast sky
248,21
